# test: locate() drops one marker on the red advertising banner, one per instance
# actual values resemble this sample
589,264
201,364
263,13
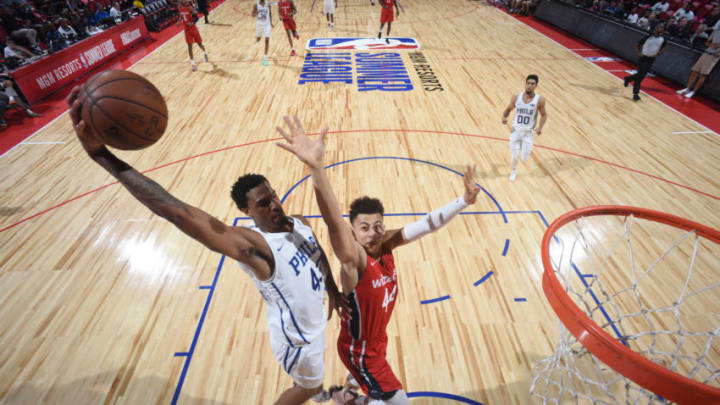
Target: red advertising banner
56,71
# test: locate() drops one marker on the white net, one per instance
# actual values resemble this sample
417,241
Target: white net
653,287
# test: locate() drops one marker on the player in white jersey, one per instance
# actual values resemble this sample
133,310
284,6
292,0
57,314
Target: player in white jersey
527,105
280,253
329,11
263,24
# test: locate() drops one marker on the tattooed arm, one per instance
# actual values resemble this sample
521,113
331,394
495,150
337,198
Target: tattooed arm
239,243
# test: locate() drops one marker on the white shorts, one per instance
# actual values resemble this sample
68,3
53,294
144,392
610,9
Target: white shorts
521,140
262,30
304,363
329,7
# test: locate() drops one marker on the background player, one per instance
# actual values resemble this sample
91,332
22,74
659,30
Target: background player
368,274
263,25
329,10
287,12
188,17
527,105
386,16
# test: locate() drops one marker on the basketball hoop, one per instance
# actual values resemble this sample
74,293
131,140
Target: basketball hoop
633,366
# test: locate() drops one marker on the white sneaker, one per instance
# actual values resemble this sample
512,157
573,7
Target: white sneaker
193,66
513,175
206,58
683,91
689,94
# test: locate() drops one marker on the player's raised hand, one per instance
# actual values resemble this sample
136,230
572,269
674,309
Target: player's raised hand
88,141
471,187
307,150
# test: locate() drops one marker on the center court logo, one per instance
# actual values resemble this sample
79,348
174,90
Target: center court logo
361,44
383,71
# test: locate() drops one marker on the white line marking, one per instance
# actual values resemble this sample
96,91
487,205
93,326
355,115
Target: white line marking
43,143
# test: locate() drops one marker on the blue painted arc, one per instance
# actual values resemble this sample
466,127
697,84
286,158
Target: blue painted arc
433,394
398,158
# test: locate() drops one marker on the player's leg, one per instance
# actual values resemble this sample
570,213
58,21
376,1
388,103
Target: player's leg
382,24
515,146
305,365
644,65
698,84
207,59
193,66
527,146
388,30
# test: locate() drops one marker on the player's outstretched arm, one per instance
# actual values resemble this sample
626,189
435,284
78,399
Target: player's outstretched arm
397,7
310,152
239,243
435,219
543,115
509,108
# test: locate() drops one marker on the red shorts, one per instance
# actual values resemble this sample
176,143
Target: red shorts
289,23
369,367
192,35
386,17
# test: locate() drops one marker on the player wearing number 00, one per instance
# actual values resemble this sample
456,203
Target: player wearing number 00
527,105
368,275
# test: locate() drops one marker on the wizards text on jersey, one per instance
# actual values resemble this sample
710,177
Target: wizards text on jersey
375,71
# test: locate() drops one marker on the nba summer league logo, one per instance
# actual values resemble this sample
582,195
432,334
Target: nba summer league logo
381,71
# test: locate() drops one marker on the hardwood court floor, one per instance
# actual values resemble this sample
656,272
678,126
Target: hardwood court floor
98,295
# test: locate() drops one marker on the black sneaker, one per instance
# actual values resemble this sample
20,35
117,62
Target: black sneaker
387,40
626,81
636,97
379,35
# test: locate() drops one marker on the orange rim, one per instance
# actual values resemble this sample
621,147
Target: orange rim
651,376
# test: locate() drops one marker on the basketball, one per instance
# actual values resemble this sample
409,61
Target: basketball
123,109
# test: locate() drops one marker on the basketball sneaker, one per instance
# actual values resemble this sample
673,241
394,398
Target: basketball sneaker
626,81
689,94
206,58
265,63
292,53
513,175
342,396
379,34
387,41
193,66
682,91
297,36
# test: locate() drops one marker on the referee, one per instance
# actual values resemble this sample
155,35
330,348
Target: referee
648,49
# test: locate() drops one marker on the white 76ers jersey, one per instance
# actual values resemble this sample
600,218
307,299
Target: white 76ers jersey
525,114
295,292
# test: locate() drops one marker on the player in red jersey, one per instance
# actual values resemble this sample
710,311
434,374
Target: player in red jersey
387,16
287,11
188,16
368,274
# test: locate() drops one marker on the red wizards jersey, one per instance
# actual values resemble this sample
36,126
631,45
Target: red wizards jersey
372,302
389,4
285,9
185,15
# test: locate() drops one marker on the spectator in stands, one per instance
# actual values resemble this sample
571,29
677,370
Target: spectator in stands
648,49
700,36
684,12
15,55
11,89
103,19
52,38
137,4
653,21
712,18
660,7
611,8
679,29
632,18
4,106
17,29
115,13
704,65
67,32
643,23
